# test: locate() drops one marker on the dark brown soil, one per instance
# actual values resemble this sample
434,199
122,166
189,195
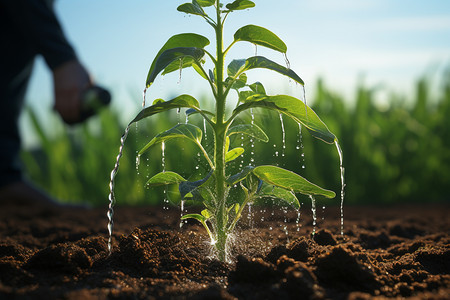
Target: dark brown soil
388,252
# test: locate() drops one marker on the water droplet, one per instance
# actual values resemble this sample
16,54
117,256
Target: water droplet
204,129
163,156
138,162
300,146
250,216
182,212
297,221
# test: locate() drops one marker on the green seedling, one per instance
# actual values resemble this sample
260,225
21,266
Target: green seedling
223,195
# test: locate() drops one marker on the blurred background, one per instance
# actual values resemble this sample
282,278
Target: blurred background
376,72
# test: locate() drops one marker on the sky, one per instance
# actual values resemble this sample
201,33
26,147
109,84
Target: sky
389,43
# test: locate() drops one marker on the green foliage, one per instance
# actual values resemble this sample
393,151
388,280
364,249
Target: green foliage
394,153
212,191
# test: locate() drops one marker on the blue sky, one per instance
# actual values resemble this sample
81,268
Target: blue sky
390,42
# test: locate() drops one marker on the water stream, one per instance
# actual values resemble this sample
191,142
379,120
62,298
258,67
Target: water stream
252,141
341,166
283,132
204,130
143,97
163,165
300,146
313,209
111,197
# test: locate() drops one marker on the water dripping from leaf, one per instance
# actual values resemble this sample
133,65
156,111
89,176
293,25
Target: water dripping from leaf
242,155
297,221
182,212
304,99
341,167
283,132
143,97
138,162
275,155
204,129
181,69
300,146
111,196
163,156
252,142
313,209
288,64
163,165
250,215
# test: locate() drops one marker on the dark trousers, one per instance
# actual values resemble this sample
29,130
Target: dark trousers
16,64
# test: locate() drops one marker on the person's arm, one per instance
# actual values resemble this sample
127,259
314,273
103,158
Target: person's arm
41,30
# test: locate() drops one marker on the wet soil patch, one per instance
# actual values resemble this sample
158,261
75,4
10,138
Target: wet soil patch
386,252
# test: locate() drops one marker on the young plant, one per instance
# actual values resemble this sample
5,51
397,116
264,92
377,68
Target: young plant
224,195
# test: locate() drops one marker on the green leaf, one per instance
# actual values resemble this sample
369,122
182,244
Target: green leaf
160,105
206,3
235,66
233,154
169,56
181,40
245,96
179,64
260,36
193,8
187,131
261,62
202,220
258,88
272,191
197,217
165,178
295,109
240,82
236,208
199,71
190,186
251,130
290,181
233,179
206,213
240,5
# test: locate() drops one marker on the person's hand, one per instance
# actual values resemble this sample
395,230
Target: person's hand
70,80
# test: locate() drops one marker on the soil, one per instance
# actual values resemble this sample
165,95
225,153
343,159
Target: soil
385,252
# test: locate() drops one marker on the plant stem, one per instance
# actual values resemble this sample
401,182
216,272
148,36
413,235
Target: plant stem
219,147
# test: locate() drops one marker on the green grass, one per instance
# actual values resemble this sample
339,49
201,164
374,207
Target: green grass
396,153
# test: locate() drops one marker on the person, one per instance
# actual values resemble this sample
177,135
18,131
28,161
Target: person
29,28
